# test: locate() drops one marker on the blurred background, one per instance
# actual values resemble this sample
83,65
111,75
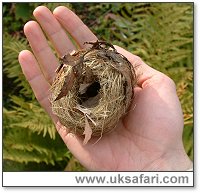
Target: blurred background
160,33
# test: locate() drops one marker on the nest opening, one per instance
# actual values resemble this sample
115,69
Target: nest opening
90,97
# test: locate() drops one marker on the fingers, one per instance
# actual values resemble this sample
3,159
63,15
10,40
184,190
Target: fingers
74,144
62,130
72,23
56,34
71,141
54,31
41,49
36,79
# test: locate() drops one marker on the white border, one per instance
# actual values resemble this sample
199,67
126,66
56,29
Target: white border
135,179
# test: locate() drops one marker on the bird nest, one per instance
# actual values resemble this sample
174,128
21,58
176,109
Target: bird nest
92,90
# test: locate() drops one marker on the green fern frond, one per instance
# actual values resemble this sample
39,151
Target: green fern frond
22,145
162,30
31,116
26,156
11,48
29,134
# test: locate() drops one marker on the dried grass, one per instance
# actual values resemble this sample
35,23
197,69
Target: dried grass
114,99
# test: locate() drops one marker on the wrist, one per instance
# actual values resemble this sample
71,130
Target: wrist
172,161
179,161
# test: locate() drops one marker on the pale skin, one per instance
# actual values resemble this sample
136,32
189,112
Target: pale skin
148,138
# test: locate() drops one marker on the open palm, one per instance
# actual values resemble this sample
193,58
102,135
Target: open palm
149,137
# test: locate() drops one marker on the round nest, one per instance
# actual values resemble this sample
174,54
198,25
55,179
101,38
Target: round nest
92,90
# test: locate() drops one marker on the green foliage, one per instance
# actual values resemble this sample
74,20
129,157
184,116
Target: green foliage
160,33
23,110
22,139
15,14
23,11
29,134
12,45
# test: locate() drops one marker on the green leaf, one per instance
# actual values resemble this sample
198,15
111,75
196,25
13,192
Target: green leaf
23,11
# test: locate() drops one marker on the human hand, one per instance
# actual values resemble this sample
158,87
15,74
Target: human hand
148,138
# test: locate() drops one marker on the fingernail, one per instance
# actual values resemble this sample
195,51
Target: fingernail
71,135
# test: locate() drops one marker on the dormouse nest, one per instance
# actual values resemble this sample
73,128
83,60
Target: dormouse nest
93,89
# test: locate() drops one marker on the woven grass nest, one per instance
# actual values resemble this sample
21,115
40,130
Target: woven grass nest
93,89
